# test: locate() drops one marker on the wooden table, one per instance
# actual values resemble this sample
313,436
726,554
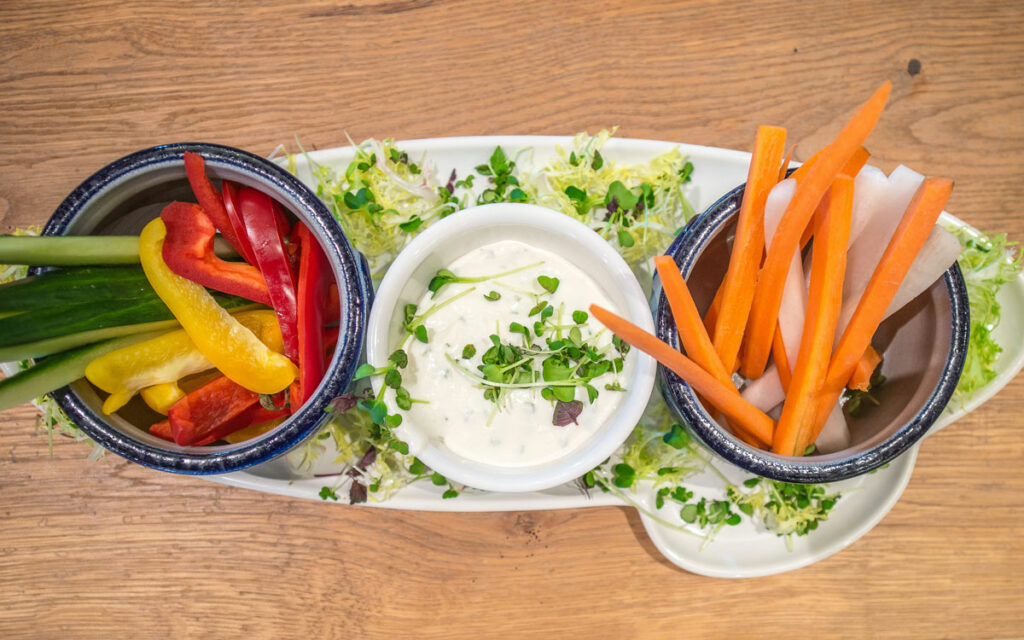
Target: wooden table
98,549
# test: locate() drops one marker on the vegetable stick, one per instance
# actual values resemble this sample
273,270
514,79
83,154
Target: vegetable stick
766,392
790,325
768,293
857,160
824,303
748,245
692,334
870,188
781,359
835,435
711,317
939,253
901,186
724,397
785,163
914,228
801,172
852,168
861,377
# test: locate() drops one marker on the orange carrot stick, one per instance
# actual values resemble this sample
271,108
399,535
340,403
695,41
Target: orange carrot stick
801,172
768,294
781,359
857,161
852,168
692,334
748,246
785,163
724,397
711,317
825,299
861,377
906,242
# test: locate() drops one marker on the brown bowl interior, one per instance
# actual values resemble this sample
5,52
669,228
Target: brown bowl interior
914,341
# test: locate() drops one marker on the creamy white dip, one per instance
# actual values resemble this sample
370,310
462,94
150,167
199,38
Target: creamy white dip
518,431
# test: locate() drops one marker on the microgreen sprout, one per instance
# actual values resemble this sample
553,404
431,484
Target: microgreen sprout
505,187
445,277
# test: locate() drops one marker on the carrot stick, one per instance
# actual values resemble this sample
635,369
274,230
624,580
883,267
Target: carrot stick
781,359
712,315
748,246
906,242
785,163
852,168
768,294
825,299
861,377
801,172
692,334
724,397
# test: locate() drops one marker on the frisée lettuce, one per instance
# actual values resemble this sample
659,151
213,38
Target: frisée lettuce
987,263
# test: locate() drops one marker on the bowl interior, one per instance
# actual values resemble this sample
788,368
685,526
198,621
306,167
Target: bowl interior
915,342
922,344
121,201
453,237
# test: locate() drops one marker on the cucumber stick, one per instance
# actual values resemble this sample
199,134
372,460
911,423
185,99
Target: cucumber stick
42,332
69,251
61,287
58,370
58,344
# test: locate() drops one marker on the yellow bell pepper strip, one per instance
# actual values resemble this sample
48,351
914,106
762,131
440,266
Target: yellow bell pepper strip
164,360
161,397
232,348
248,433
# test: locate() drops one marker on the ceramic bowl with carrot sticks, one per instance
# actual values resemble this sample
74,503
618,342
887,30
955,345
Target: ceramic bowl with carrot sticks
923,345
222,426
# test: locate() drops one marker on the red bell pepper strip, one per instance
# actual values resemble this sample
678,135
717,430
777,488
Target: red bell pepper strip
209,199
230,196
188,251
315,278
332,314
260,215
162,430
214,410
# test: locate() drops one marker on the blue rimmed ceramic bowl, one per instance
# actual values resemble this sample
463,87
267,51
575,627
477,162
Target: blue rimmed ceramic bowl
925,346
126,194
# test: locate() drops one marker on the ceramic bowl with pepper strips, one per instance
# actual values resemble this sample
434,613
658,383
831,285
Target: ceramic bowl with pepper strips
221,342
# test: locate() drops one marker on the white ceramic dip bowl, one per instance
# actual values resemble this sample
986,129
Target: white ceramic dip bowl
407,281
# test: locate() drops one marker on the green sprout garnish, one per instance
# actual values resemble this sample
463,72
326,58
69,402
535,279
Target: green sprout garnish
505,185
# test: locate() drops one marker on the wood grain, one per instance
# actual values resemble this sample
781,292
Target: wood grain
108,549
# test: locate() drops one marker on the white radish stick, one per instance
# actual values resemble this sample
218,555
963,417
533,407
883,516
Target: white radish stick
867,251
766,392
869,190
938,254
794,291
835,435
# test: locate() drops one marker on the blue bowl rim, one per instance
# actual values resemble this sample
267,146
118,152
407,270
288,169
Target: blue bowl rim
355,293
814,469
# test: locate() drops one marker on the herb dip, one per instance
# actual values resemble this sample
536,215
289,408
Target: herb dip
514,427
